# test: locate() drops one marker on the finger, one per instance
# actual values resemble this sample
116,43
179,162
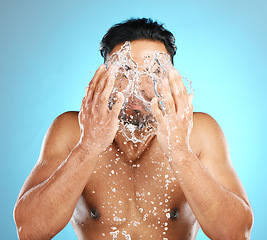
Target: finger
169,101
117,106
80,115
190,97
105,95
183,89
182,99
101,83
179,78
95,78
92,84
156,111
83,102
175,90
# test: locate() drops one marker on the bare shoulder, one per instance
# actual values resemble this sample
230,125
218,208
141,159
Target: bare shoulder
205,121
207,133
214,153
210,141
64,130
66,121
60,138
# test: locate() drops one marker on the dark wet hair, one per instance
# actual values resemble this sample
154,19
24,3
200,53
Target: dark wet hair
134,29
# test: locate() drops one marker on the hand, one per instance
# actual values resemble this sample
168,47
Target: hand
175,122
99,124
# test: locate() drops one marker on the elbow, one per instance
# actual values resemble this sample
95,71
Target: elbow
26,227
241,230
19,223
247,225
22,235
23,231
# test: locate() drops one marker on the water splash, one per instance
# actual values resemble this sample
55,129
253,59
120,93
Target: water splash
126,235
114,234
139,84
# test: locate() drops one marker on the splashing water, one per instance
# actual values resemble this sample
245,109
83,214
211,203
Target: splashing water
114,234
124,233
139,84
127,236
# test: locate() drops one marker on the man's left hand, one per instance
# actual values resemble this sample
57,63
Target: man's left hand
175,121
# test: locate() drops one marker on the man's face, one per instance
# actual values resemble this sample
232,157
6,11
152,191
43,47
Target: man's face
139,67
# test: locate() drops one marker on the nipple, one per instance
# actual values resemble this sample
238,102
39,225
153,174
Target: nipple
95,214
174,214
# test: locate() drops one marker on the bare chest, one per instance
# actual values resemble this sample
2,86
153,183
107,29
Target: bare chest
125,196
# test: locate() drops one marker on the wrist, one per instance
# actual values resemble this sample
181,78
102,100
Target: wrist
182,153
87,151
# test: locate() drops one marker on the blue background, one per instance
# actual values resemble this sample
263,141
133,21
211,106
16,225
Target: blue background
49,52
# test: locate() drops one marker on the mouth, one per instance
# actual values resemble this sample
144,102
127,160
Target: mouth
134,117
137,119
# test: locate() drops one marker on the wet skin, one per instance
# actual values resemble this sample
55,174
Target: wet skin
133,187
142,185
148,202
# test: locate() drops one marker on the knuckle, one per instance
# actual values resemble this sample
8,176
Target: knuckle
91,84
100,68
97,89
83,101
179,93
103,98
184,92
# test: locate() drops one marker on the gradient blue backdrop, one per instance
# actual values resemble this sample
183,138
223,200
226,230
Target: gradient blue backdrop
49,52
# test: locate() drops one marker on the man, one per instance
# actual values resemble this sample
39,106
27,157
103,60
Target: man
166,187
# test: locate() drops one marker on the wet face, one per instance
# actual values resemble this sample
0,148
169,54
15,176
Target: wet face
139,67
142,51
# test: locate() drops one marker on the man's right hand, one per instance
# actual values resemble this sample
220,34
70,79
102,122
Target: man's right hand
99,124
47,196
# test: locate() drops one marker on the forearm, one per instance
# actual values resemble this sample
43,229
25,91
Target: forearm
46,209
221,214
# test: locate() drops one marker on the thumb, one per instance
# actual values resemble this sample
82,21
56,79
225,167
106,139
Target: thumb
190,97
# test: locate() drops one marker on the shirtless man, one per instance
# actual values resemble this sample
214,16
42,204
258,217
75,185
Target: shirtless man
110,188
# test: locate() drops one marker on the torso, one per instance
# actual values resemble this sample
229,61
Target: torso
140,200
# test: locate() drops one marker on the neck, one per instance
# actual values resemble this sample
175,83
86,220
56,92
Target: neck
133,151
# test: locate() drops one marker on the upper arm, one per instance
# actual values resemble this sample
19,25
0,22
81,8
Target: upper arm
56,146
215,155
